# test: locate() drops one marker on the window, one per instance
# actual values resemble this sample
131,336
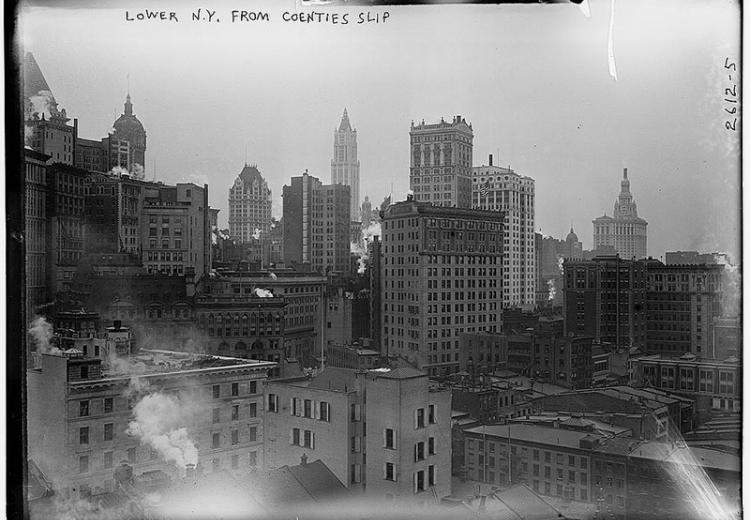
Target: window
235,389
215,440
325,411
356,412
309,439
295,436
431,446
83,409
307,411
390,439
253,387
83,464
536,454
109,431
216,415
419,419
131,455
419,451
547,472
431,475
217,391
108,405
547,457
108,462
535,469
390,471
253,459
273,403
253,433
236,412
235,436
253,409
571,460
432,414
83,435
419,481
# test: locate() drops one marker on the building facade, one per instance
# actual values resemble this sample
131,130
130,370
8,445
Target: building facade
35,170
501,189
408,446
79,413
66,231
317,225
345,165
715,385
625,230
176,230
249,206
322,418
606,298
682,304
441,273
441,162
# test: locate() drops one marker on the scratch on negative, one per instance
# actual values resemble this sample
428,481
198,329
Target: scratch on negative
611,43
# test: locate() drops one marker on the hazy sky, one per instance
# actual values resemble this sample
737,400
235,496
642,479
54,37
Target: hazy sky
532,80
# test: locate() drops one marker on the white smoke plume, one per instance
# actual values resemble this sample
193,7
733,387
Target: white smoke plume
273,276
28,135
41,330
360,249
560,262
551,288
119,171
256,234
262,293
159,422
42,104
138,172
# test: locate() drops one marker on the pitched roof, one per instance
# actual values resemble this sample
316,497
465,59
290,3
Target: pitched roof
318,480
251,173
33,79
345,126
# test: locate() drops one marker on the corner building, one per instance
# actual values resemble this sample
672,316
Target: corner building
440,277
441,162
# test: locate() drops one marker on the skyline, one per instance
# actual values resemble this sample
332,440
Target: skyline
573,135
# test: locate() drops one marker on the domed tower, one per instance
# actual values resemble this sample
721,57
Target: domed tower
129,129
573,247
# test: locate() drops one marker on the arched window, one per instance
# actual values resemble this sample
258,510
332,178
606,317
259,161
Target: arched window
244,325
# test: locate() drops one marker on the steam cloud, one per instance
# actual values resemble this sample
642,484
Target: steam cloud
158,423
41,330
42,104
361,250
262,293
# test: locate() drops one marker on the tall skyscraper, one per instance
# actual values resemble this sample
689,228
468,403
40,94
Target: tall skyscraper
441,162
316,224
440,277
502,189
345,165
249,205
625,230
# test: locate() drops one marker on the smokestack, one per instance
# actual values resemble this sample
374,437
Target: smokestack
118,324
624,173
190,471
490,159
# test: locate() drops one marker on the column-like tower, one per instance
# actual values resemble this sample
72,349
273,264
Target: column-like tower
345,165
